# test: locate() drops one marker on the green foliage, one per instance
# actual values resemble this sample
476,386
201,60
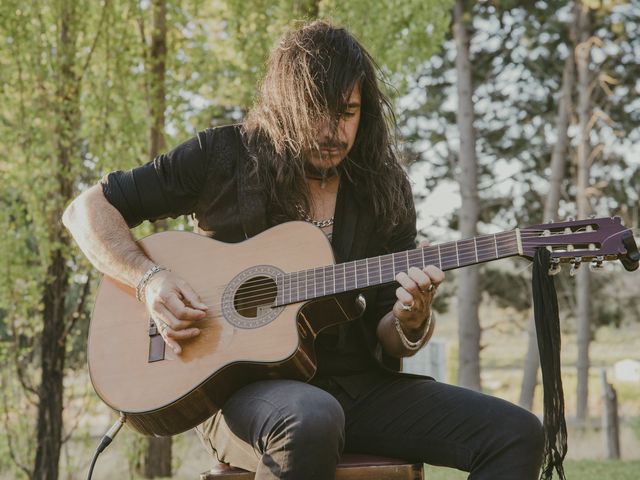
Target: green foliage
238,36
578,469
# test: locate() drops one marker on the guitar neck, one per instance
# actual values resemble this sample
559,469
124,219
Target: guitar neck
357,275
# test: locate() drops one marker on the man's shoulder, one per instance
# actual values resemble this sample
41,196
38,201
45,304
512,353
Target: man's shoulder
223,145
215,136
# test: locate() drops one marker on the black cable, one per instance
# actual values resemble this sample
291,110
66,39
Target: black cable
106,440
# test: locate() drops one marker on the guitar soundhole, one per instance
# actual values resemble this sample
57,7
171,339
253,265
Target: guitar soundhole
254,296
249,298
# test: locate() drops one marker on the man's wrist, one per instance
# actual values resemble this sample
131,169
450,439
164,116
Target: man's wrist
413,332
144,280
414,339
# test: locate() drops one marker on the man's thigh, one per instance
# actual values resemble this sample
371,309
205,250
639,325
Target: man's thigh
253,418
427,421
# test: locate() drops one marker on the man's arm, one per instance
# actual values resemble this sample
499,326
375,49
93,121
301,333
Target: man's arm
104,237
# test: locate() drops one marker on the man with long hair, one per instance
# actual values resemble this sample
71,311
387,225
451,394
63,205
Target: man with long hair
317,146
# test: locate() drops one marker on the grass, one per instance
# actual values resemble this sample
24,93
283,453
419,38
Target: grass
574,469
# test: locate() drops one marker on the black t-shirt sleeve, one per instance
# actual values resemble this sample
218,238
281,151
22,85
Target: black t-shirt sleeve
167,186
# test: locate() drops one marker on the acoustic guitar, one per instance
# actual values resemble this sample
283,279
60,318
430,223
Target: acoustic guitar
268,299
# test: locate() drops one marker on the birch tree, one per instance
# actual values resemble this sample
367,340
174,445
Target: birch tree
468,291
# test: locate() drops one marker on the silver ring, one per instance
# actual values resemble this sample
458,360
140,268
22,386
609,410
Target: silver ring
163,328
407,308
431,288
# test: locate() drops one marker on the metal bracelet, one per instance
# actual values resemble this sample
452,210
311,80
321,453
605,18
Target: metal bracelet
145,279
408,344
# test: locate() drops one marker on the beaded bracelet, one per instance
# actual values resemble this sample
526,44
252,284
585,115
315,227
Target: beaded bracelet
408,344
145,279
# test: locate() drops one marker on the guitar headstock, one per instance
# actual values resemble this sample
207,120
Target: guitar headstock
594,240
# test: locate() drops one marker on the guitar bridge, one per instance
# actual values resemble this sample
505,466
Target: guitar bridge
156,343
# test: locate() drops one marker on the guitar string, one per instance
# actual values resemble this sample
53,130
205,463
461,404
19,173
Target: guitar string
266,295
265,289
271,297
268,289
461,252
353,272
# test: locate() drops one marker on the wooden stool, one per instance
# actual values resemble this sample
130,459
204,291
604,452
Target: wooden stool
350,467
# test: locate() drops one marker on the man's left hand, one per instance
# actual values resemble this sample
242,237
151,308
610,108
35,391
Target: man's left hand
415,295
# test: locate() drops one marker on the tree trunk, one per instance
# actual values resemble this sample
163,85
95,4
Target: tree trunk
558,162
156,461
56,285
50,404
583,166
157,69
468,291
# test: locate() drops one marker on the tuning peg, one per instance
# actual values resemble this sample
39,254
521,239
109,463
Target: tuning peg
575,265
596,263
555,268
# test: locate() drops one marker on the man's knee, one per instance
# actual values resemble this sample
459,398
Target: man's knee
316,417
526,430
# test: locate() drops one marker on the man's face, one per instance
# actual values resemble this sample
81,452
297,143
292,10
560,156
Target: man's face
334,147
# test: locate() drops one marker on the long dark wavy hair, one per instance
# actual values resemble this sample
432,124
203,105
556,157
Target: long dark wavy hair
309,77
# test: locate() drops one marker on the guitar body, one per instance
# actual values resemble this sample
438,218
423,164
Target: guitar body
163,393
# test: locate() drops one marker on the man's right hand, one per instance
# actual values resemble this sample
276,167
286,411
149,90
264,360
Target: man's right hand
175,308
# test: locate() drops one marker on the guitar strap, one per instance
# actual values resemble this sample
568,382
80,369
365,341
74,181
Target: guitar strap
545,308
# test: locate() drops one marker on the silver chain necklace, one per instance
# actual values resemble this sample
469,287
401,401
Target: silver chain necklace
307,218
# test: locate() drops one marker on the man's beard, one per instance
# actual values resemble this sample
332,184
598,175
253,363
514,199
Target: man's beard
320,173
316,173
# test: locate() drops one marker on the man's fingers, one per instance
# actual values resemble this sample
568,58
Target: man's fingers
421,279
191,296
435,274
165,332
404,296
161,312
183,334
408,283
181,311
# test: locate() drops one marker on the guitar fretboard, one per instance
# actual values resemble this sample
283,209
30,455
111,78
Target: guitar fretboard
330,280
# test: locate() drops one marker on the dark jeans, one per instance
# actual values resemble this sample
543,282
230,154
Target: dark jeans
291,430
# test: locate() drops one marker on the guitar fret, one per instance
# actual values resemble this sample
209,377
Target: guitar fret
457,254
324,282
475,247
330,281
366,262
495,241
439,258
361,273
334,278
315,284
393,265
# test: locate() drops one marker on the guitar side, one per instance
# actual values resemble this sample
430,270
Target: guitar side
176,392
